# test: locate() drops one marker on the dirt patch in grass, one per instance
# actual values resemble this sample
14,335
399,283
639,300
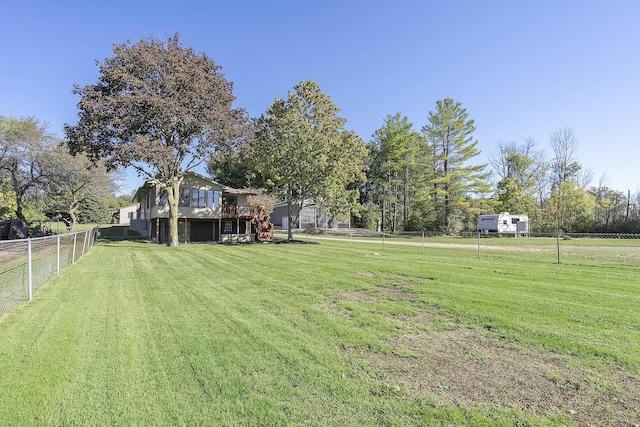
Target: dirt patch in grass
359,296
397,292
366,274
465,367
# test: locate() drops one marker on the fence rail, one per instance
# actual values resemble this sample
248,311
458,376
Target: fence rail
26,265
577,248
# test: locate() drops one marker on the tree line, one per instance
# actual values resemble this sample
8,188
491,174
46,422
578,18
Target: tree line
428,180
164,110
41,181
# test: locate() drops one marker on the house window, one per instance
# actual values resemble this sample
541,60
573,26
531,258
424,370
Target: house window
213,199
197,198
185,196
228,227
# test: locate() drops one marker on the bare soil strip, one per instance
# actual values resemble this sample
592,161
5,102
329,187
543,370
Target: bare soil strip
465,367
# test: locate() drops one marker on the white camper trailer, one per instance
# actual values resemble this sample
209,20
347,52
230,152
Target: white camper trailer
504,223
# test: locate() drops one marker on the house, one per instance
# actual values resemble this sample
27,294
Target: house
127,213
309,216
504,223
207,212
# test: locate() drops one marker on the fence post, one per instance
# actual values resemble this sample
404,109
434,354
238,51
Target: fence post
73,256
383,240
558,241
350,239
58,255
423,242
478,244
29,271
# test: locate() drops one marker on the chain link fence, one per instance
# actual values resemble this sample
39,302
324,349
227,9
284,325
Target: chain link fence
26,265
617,250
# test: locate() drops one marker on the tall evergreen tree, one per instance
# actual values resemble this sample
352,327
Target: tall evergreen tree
449,135
395,149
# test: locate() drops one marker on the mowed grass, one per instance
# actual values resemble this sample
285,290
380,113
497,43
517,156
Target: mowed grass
139,334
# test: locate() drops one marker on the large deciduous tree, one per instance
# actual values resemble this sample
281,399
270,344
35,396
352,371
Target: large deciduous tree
302,146
75,179
564,166
25,152
449,135
522,172
160,108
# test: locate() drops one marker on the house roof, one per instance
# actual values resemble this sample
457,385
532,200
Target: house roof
307,202
148,185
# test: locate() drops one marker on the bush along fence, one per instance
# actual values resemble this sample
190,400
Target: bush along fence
26,265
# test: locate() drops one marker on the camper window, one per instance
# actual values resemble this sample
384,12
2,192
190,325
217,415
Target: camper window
514,220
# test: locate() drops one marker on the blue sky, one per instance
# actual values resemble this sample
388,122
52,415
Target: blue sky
521,69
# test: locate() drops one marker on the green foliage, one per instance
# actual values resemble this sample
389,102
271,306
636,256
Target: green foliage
569,207
396,168
7,199
235,170
513,198
302,146
25,153
95,210
449,135
160,108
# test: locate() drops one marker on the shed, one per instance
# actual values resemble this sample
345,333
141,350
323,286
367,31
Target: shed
127,213
309,216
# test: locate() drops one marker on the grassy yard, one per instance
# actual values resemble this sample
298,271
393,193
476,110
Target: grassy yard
323,334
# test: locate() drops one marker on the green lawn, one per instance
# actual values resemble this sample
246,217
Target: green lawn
292,334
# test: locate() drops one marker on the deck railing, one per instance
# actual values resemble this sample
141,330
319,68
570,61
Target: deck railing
233,211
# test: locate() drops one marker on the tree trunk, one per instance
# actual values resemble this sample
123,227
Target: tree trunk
72,214
289,214
405,198
173,197
20,191
19,213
